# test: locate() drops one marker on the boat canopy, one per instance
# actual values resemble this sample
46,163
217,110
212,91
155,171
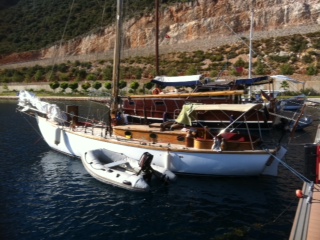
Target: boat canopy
189,111
179,81
285,78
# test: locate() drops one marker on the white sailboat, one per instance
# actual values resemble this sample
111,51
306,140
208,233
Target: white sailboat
180,149
173,149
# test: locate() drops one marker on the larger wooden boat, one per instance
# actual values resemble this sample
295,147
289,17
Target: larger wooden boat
156,108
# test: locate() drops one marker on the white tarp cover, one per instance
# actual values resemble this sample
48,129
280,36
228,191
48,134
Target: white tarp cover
178,80
285,78
52,111
187,114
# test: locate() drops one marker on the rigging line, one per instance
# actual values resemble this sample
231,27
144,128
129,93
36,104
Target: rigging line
245,43
295,172
278,115
285,210
32,125
62,37
65,27
101,25
103,12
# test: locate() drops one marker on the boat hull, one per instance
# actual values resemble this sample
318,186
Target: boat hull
178,160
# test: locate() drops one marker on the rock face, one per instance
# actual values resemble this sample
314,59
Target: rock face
200,21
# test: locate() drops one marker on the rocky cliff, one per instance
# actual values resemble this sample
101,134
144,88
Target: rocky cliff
199,24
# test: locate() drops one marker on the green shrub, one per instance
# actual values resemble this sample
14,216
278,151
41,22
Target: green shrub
312,70
286,69
307,58
279,59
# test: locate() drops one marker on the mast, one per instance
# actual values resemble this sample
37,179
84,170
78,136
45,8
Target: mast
250,51
116,61
157,37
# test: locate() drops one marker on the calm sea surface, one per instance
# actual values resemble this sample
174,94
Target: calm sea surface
46,195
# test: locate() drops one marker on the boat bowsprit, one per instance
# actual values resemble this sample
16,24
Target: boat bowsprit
119,170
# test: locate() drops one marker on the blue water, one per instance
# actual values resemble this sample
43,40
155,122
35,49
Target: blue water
47,195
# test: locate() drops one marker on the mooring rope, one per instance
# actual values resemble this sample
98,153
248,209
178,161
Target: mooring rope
30,122
291,169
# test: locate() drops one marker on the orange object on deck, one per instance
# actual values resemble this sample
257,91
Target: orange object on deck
299,193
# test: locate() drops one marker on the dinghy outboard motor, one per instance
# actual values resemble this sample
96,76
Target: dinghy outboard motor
145,161
145,166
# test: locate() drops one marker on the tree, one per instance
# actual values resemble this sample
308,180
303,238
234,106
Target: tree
107,73
17,77
284,85
240,63
81,74
62,67
134,86
97,85
64,77
85,86
108,85
51,76
54,85
138,73
260,68
92,77
122,84
286,69
73,86
312,70
148,85
214,73
236,72
192,71
64,86
38,75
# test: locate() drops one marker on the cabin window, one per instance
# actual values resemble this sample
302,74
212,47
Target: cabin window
153,135
181,138
128,134
131,103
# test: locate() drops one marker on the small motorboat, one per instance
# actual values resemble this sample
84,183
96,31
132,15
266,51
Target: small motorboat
293,121
304,121
119,170
292,104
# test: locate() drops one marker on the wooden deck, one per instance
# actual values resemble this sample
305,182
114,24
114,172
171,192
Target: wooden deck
314,222
306,225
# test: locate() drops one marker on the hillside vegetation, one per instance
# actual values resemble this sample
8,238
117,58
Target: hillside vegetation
35,24
282,55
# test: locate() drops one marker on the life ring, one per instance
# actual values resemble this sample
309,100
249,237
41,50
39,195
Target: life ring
156,91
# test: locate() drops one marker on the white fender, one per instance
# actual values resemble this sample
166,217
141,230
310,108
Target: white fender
166,160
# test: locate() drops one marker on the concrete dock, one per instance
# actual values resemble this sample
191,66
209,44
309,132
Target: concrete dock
306,225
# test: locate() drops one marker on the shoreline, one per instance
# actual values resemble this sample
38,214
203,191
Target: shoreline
49,98
310,101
